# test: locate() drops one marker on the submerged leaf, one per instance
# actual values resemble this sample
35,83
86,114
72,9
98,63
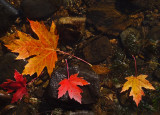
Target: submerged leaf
100,69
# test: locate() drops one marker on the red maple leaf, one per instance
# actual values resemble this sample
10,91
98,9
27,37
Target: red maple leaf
70,85
19,86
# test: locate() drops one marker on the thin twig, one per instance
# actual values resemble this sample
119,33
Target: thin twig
67,68
135,65
34,79
75,57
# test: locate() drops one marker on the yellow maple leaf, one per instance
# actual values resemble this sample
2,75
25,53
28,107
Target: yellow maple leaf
136,83
43,50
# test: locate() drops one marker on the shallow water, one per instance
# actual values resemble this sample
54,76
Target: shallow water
102,32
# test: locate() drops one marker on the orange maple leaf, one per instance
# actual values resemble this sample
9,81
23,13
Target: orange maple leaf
43,50
136,83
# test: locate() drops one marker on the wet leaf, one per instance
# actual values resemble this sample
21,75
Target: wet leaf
8,39
43,49
99,69
136,83
70,85
19,86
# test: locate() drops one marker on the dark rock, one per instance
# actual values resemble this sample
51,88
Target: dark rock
97,50
8,110
28,109
153,63
68,34
82,112
156,73
120,64
154,41
130,39
4,95
57,111
7,16
8,64
146,4
100,15
90,92
9,7
70,29
75,7
104,17
39,8
5,99
126,6
151,18
89,2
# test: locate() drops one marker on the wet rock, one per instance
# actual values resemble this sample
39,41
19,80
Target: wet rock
120,65
39,8
75,7
5,99
156,73
89,2
147,4
100,15
8,110
71,29
104,17
39,91
126,6
90,92
106,103
8,64
154,42
57,111
130,39
27,108
97,50
8,15
82,112
69,35
4,95
124,99
153,63
151,18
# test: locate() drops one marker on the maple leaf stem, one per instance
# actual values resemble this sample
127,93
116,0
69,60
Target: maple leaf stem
34,79
75,57
67,68
135,65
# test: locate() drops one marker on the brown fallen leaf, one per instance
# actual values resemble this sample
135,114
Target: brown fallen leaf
99,69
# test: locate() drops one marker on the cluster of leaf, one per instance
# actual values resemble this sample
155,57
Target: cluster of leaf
44,51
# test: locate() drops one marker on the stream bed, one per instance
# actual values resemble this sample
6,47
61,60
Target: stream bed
102,32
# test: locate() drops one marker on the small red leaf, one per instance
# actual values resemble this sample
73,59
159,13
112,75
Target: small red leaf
19,86
70,85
